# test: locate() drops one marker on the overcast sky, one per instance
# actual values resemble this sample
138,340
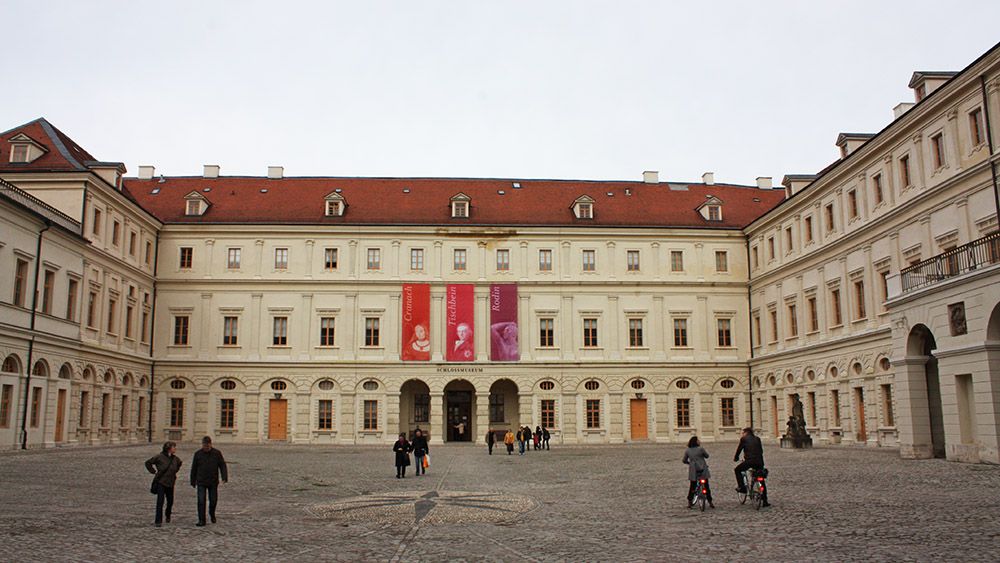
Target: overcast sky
582,90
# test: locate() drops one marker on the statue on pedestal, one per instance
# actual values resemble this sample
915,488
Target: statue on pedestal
796,436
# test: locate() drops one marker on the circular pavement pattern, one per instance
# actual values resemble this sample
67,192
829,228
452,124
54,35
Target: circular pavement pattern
427,507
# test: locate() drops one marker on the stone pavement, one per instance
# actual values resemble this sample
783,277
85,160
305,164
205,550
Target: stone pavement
611,503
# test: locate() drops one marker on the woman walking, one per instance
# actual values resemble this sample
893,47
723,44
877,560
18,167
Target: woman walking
402,448
508,439
537,436
420,449
695,457
164,467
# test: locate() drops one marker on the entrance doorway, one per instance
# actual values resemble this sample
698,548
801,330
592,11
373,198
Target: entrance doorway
859,401
60,414
921,343
415,408
277,419
459,400
638,412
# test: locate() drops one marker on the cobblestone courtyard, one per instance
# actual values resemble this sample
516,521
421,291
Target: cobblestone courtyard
291,503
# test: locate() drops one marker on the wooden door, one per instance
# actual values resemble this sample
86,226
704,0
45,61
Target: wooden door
637,408
859,398
60,414
277,420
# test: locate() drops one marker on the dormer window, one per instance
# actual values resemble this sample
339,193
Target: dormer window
335,205
195,204
24,149
711,210
193,207
460,206
583,207
714,213
19,153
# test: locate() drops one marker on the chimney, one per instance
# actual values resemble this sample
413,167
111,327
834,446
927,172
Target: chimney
708,178
275,172
901,108
146,172
651,177
211,171
764,182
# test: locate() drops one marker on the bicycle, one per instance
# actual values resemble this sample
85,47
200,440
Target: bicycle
754,489
700,493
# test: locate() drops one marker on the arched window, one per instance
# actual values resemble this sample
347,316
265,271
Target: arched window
683,384
278,386
325,385
370,385
40,369
228,385
592,385
546,386
638,384
727,384
178,384
11,365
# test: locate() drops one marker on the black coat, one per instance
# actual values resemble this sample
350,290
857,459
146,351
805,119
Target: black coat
206,467
419,446
165,468
402,449
491,438
545,434
752,450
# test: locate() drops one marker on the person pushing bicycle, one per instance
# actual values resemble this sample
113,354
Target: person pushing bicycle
753,458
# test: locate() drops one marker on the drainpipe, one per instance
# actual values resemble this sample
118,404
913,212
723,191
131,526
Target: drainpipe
31,343
989,142
152,340
749,333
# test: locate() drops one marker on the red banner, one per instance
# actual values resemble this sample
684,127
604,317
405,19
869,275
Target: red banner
416,310
460,305
503,323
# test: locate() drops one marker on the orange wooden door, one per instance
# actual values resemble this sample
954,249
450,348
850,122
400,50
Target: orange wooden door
640,430
277,420
60,414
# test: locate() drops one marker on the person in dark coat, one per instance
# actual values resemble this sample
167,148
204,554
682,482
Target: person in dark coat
753,458
164,466
520,441
545,438
402,448
206,467
695,458
537,436
490,440
420,449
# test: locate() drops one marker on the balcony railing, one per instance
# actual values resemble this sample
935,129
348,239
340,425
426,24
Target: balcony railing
955,262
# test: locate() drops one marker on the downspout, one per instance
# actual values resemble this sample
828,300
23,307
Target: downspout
152,340
989,142
31,343
749,334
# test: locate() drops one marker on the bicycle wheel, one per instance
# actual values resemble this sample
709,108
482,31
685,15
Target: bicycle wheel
702,501
743,495
758,498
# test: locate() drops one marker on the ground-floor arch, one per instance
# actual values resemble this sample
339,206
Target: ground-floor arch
460,409
414,407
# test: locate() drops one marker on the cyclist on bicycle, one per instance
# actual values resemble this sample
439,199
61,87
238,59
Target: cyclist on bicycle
753,458
695,458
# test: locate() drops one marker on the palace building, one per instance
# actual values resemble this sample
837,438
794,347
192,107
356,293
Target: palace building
338,310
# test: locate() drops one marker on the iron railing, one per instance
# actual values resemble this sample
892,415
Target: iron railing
22,197
955,262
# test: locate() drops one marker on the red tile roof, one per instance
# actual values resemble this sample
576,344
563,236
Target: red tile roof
385,201
63,153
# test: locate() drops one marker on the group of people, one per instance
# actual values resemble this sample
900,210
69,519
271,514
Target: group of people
206,467
524,438
418,447
695,457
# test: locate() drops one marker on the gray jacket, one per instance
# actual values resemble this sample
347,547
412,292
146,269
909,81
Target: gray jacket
696,458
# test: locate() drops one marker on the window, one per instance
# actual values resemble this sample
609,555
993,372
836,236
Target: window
185,261
859,299
330,259
904,170
793,321
976,127
770,248
36,405
74,288
230,330
227,413
460,259
835,305
6,395
809,229
145,327
47,287
813,314
545,260
131,243
20,281
937,151
683,413
590,333
589,261
635,333
116,233
178,384
374,258
326,331
325,410
727,384
676,261
460,209
829,218
280,337
106,410
96,228
149,253
725,329
421,407
593,413
371,415
141,413
890,420
280,258
503,260
727,406
181,330
92,310
228,385
278,386
123,413
680,333
112,316
547,385
176,412
548,413
714,213
233,259
884,276
586,211
756,258
497,407
417,259
756,329
789,242
129,311
877,189
835,409
193,207
852,204
592,385
773,317
637,384
19,153
371,331
547,332
632,260
721,261
333,208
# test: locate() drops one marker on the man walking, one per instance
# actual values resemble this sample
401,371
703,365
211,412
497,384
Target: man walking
490,440
545,438
208,463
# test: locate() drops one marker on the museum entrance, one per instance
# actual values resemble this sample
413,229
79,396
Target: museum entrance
459,401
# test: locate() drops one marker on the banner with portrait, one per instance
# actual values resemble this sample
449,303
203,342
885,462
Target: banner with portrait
460,305
416,311
503,323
